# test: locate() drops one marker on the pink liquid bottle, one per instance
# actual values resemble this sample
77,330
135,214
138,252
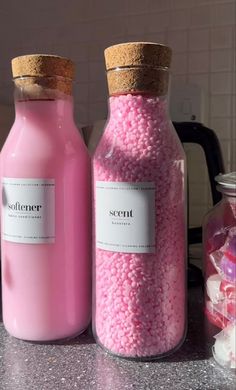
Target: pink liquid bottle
45,173
139,308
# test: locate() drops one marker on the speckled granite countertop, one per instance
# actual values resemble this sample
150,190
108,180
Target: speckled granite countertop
81,364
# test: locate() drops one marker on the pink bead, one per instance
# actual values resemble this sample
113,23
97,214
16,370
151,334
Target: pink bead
140,298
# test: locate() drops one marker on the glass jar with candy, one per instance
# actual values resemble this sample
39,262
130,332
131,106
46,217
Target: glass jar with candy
219,230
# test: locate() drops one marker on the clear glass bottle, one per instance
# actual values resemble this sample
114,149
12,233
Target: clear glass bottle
45,173
219,238
139,308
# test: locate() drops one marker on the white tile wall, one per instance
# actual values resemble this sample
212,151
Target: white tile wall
180,63
220,106
221,83
201,16
96,71
200,79
140,6
179,18
221,37
221,60
199,39
178,40
222,127
136,24
155,5
97,90
234,106
155,22
201,33
198,62
6,117
179,4
223,14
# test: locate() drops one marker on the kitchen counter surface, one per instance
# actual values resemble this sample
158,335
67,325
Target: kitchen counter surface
81,364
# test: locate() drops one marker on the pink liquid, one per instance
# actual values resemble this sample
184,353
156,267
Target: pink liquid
140,299
46,287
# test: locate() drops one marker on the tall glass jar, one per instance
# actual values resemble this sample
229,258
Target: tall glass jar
139,293
45,174
219,230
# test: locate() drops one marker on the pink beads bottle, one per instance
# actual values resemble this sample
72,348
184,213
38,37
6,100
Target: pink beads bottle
45,206
139,196
219,231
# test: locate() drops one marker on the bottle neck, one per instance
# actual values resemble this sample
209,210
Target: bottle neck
43,100
231,198
42,111
149,106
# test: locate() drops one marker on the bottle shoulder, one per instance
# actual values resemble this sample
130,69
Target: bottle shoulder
220,215
214,210
45,157
32,140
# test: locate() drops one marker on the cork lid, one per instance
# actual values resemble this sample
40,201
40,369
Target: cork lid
42,65
43,75
138,53
138,67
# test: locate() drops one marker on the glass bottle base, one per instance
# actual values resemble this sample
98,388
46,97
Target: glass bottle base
56,340
144,358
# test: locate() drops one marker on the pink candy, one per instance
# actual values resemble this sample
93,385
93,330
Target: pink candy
140,298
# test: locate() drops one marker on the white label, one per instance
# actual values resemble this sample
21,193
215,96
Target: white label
28,210
125,217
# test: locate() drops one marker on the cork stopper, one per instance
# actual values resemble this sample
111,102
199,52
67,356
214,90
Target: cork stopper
45,71
138,67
